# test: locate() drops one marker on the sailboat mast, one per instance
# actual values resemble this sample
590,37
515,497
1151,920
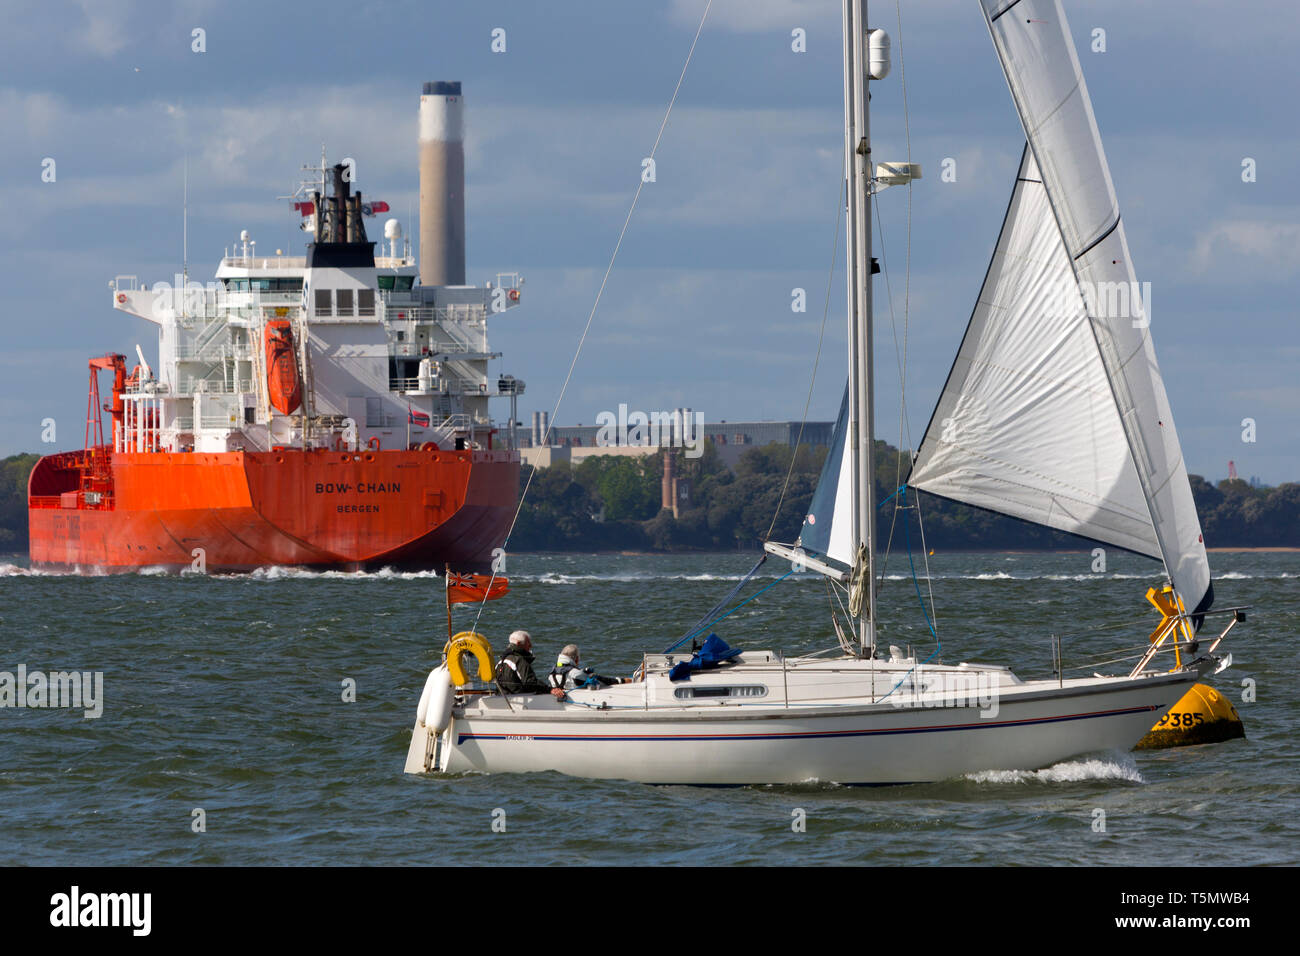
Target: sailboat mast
857,162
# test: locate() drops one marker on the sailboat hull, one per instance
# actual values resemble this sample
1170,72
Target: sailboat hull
1030,727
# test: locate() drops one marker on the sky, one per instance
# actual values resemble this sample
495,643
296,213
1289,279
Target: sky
743,210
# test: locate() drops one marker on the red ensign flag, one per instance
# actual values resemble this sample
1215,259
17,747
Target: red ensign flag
475,587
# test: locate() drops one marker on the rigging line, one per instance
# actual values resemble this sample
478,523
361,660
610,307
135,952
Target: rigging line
729,613
821,336
938,644
893,324
599,292
904,427
929,578
903,421
727,598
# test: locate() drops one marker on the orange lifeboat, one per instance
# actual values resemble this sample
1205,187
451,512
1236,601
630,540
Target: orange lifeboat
282,381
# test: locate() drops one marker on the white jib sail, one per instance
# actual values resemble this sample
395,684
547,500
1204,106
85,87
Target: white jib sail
828,526
1056,410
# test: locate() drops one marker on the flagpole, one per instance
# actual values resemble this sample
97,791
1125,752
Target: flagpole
447,589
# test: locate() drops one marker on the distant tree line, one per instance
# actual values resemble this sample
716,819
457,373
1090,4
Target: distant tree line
13,501
612,503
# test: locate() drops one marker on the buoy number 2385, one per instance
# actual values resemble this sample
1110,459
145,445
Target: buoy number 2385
1181,720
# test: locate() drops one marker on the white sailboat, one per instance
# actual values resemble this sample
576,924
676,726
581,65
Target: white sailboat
1054,412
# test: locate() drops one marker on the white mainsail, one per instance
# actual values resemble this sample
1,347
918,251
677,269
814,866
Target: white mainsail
1055,410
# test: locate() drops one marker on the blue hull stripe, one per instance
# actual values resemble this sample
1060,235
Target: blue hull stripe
813,735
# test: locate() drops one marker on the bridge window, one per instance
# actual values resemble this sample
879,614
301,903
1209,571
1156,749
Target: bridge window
324,302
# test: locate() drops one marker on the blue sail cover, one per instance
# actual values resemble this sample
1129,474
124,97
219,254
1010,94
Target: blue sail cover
713,653
826,528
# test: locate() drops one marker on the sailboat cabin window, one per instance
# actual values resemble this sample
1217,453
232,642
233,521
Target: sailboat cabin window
700,691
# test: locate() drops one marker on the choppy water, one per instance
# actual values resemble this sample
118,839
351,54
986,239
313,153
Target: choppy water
225,694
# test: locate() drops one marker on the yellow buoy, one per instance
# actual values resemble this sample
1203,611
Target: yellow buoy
1202,716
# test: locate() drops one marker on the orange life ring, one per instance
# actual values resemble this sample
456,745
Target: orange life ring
429,446
514,295
121,298
374,443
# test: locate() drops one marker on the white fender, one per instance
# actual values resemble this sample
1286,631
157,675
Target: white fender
435,701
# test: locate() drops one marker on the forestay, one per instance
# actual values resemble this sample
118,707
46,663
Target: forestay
1055,410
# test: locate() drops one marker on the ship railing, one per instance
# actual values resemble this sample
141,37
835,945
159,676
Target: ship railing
190,351
415,350
396,311
126,283
218,421
45,501
413,385
193,386
265,262
222,304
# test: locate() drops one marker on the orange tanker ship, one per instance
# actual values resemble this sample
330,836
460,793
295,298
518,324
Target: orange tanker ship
327,411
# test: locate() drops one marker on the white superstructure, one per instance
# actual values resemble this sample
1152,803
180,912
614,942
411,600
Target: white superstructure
386,358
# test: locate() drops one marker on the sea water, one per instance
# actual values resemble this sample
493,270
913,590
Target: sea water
265,717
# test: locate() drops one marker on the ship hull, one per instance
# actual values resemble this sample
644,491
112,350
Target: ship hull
235,511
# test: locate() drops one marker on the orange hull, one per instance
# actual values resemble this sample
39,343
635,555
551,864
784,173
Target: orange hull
352,510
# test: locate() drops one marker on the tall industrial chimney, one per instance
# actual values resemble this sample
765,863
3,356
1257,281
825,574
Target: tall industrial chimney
442,184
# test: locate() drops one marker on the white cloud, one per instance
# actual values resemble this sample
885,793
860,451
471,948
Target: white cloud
1269,248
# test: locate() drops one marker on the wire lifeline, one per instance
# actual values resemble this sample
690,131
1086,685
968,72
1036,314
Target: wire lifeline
599,292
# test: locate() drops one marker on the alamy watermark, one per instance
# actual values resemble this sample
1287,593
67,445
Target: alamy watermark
76,690
676,429
923,688
1103,300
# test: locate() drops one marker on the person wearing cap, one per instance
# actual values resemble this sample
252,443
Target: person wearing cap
568,673
514,672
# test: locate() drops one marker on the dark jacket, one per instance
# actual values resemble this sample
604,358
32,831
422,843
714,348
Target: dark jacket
515,674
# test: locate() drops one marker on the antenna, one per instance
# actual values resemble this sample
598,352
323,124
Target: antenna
185,232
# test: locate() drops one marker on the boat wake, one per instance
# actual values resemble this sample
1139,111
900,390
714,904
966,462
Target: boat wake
290,573
1118,767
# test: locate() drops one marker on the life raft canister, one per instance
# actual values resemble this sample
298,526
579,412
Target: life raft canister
283,385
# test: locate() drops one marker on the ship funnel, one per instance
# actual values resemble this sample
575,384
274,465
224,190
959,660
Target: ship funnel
442,185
